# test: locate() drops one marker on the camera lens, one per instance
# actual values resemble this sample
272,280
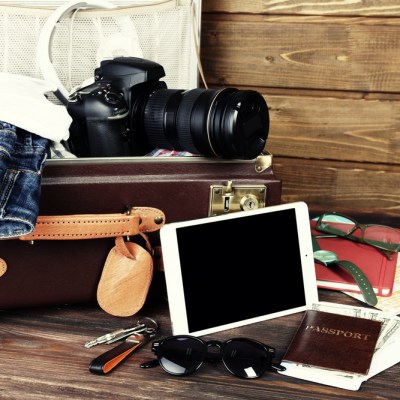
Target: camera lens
226,123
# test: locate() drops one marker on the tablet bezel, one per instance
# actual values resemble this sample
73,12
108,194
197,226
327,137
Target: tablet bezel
173,273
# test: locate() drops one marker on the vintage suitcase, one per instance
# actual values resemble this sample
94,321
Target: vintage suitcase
68,271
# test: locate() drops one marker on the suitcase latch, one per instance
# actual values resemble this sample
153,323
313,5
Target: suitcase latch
231,198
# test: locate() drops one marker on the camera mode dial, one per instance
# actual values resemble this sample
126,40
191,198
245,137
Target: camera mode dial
113,97
107,102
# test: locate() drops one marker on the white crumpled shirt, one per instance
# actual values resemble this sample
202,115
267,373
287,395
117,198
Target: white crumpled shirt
23,103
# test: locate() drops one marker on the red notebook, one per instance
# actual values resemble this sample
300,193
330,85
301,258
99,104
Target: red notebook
377,267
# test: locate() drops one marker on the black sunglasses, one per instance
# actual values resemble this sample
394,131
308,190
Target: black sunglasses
184,354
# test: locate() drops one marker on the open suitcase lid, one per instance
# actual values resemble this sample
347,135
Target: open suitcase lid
71,38
166,32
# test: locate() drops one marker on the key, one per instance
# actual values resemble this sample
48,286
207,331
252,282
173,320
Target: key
116,335
104,363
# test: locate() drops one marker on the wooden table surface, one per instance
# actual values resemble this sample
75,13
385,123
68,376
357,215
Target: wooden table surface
42,356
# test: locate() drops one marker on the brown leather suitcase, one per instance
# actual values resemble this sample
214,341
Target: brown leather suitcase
55,272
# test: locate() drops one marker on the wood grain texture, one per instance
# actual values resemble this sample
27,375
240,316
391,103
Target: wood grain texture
298,52
329,73
314,7
43,357
332,128
331,185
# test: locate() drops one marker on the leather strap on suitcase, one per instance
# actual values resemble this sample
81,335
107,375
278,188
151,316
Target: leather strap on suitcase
128,270
94,226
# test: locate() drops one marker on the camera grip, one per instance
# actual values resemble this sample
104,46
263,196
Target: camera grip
107,138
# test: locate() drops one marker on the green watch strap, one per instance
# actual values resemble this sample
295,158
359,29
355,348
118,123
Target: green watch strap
361,280
356,273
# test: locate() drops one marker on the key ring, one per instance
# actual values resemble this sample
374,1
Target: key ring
135,338
153,328
119,334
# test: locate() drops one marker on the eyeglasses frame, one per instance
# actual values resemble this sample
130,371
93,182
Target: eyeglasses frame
388,253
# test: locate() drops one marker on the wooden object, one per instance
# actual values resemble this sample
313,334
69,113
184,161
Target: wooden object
329,73
43,356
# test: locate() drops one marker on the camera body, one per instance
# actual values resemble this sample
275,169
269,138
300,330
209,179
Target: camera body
102,112
128,111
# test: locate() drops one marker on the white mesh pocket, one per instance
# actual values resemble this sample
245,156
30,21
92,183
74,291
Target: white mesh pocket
160,32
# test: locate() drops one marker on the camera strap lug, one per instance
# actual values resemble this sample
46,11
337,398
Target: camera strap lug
263,161
231,198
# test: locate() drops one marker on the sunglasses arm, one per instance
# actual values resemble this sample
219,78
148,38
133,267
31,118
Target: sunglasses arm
150,364
275,367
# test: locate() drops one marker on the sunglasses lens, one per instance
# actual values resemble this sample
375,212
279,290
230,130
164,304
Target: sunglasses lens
181,355
245,358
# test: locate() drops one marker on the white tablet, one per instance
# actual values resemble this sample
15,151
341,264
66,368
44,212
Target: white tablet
231,270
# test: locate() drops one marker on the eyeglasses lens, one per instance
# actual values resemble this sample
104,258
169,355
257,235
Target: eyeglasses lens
379,236
181,356
244,358
337,225
382,236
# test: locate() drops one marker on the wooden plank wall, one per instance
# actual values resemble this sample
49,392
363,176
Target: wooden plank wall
330,73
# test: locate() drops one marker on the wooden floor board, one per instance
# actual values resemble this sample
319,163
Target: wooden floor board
42,356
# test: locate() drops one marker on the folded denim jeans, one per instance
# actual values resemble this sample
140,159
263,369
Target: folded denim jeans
22,158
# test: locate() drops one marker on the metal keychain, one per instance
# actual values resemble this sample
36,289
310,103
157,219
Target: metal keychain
119,334
107,361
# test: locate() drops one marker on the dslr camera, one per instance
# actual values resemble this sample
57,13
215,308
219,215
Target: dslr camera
128,111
